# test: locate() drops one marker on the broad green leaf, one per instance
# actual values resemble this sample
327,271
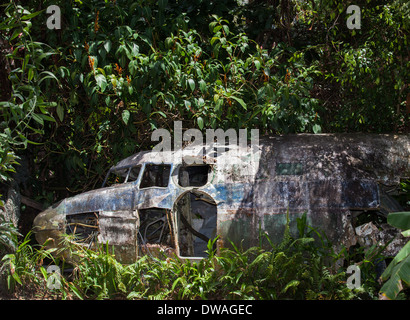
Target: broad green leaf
108,46
101,81
15,34
317,129
257,64
217,28
16,278
403,253
125,116
213,40
60,112
47,118
133,67
168,42
31,15
219,104
38,119
160,113
399,220
133,52
202,85
44,105
102,71
200,122
187,104
241,102
212,25
406,233
400,274
191,84
107,100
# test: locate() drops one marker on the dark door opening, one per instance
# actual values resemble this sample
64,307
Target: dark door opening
155,235
196,216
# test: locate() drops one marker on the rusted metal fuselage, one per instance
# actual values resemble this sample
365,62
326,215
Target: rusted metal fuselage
162,203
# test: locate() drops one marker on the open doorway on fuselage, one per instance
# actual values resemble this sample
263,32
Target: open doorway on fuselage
155,234
196,223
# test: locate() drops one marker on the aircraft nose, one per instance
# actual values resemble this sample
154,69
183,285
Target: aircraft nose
49,225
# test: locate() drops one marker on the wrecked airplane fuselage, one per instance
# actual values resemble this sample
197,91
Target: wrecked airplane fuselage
155,203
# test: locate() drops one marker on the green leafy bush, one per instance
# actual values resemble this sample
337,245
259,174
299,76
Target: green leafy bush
26,112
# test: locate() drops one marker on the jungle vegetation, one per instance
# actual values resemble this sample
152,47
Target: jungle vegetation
75,100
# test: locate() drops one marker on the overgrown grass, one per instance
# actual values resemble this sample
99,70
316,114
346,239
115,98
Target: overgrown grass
297,268
24,268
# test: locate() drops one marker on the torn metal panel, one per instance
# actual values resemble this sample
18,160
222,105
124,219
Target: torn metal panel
237,195
119,229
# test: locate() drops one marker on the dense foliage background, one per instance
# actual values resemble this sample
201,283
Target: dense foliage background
76,100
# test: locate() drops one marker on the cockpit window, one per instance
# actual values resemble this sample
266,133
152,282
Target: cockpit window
115,177
155,176
134,173
193,176
122,175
